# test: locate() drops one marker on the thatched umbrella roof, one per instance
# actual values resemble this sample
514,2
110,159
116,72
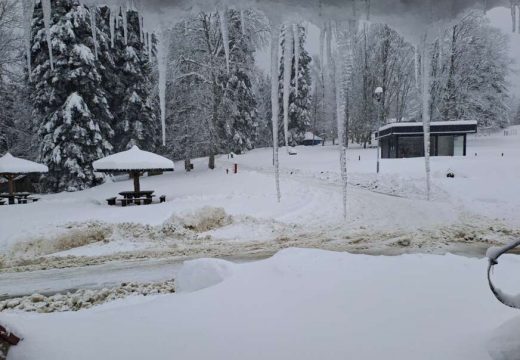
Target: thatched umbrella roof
135,161
15,166
11,166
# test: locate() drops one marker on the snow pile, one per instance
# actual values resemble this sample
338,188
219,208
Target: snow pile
300,304
134,159
505,342
204,219
203,273
13,165
76,235
83,299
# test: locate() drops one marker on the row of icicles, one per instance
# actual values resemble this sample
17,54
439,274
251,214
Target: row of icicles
145,38
28,11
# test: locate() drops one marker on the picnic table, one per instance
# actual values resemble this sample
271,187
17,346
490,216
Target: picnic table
137,197
22,198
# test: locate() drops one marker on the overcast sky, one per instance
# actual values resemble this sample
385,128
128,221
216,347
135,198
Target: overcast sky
500,18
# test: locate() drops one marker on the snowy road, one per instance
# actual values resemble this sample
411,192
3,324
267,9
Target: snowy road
109,275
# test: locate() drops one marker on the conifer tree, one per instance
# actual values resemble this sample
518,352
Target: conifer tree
238,126
300,102
135,120
71,108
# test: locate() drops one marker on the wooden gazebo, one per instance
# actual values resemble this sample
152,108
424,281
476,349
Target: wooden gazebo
12,167
135,162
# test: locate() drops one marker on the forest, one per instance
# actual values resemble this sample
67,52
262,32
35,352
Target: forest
80,82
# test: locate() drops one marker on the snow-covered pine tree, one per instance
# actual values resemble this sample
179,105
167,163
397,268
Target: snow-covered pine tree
238,126
110,60
300,106
71,111
135,120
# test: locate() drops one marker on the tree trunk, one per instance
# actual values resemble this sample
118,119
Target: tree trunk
10,179
137,185
211,162
187,165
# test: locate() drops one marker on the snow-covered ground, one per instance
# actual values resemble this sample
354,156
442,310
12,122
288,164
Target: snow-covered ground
300,304
210,210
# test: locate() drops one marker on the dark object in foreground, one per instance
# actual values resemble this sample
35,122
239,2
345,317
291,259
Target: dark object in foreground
493,260
8,337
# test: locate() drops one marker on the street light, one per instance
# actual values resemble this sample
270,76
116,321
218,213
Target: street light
378,96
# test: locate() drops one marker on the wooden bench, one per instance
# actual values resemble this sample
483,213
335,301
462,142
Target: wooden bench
111,201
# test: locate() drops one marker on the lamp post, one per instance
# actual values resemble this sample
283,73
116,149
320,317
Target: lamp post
378,96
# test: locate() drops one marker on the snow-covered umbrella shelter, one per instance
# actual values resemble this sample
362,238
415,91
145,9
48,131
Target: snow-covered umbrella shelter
11,167
134,161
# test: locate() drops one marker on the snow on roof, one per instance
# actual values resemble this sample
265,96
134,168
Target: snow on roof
133,159
311,136
13,165
433,123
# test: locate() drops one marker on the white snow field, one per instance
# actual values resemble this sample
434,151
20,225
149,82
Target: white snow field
299,304
387,213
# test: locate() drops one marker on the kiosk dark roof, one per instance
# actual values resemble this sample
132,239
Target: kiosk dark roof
404,140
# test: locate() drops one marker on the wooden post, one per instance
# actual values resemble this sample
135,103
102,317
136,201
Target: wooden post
137,185
10,180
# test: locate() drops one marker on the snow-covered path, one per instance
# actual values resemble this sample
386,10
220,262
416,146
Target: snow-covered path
212,213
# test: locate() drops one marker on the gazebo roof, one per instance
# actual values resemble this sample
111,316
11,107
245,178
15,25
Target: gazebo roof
311,136
13,165
134,159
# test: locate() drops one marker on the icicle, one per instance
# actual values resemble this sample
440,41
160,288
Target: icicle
46,6
340,78
225,34
426,63
330,77
275,38
117,13
94,30
112,21
296,33
513,15
149,46
287,72
142,32
28,11
125,25
243,21
441,51
416,64
518,19
162,60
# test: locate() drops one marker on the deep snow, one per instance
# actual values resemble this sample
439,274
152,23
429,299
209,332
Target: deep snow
300,304
482,200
